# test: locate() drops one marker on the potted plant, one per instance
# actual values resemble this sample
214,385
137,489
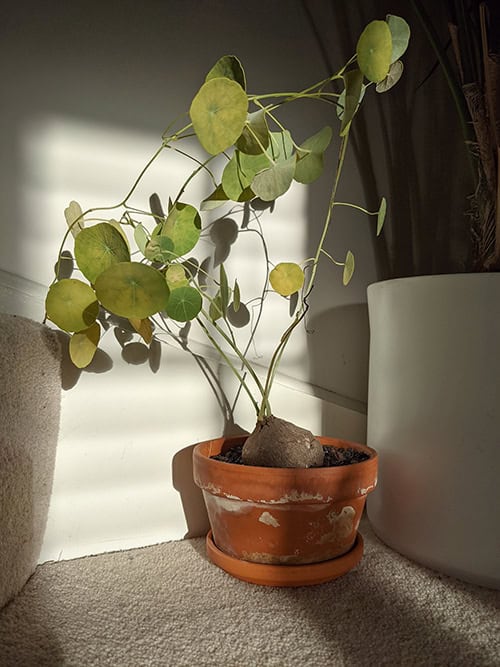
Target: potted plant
433,378
279,496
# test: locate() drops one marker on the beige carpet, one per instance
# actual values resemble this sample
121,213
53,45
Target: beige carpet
167,605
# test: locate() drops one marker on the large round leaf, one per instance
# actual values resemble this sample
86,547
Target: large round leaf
71,304
83,345
184,304
218,112
98,247
132,290
286,278
374,51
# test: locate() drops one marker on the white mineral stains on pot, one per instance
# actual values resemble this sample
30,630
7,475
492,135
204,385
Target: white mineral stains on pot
363,492
219,503
211,488
269,519
296,496
342,525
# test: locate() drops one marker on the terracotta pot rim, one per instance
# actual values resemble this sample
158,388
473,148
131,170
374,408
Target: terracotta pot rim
283,485
324,440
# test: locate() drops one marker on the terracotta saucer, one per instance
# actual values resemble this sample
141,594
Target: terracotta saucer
286,575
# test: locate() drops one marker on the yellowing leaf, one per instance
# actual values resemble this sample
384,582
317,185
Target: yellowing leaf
374,51
72,214
286,278
348,268
71,304
218,112
83,345
143,328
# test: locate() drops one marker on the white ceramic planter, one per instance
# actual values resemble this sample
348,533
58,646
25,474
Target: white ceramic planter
434,417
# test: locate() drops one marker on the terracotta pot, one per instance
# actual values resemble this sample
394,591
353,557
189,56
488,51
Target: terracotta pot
283,516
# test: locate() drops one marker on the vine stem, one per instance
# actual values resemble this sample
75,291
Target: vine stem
230,364
278,352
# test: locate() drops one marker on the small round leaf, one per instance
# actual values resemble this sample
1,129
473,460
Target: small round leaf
71,304
381,215
374,51
400,33
229,67
83,345
394,74
183,227
218,112
184,304
234,180
271,183
348,268
255,135
176,276
286,278
132,290
97,248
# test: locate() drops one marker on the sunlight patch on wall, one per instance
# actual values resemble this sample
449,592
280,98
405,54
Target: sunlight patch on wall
65,159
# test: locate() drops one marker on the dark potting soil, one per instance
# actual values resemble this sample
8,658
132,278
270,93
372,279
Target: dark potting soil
334,456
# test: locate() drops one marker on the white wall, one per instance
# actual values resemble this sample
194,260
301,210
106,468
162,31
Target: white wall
90,88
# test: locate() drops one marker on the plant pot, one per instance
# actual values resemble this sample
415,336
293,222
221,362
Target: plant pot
434,417
290,526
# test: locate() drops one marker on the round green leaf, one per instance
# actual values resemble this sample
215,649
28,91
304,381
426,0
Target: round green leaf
97,248
229,67
400,33
319,142
374,51
71,304
309,168
214,200
275,181
255,135
235,181
159,249
132,290
83,345
183,227
348,268
218,112
286,278
184,304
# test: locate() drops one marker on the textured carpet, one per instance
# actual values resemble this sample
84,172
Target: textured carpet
166,605
30,399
